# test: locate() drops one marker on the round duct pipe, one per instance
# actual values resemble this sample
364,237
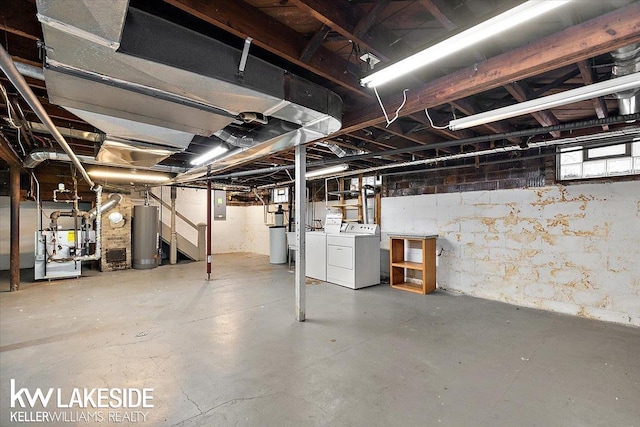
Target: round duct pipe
113,200
627,61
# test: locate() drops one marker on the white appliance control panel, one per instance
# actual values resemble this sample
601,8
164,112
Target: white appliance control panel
372,229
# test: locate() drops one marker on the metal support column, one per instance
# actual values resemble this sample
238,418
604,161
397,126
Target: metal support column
209,201
300,214
173,245
14,251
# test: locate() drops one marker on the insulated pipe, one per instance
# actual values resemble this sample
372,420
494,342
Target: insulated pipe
30,71
14,249
208,229
7,65
549,143
264,205
476,139
98,229
365,205
173,247
38,205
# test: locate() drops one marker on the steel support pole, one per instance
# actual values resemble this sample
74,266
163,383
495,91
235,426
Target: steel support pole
208,227
173,245
300,215
14,251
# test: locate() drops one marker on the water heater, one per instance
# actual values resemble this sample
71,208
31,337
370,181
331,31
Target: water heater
145,237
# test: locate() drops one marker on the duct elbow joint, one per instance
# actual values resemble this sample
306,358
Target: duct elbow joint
249,117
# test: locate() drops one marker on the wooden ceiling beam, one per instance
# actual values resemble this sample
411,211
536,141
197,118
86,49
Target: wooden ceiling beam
314,44
17,32
599,103
592,38
7,153
17,17
444,14
243,20
521,92
369,20
343,18
554,84
441,11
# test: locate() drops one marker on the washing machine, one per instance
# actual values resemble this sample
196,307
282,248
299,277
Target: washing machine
316,255
353,256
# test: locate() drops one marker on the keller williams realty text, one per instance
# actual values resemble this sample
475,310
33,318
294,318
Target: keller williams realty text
39,405
77,417
83,398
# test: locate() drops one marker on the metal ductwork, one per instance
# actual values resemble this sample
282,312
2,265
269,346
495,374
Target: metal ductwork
111,203
138,77
34,158
627,61
339,151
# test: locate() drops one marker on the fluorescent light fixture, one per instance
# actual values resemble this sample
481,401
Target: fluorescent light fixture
128,175
502,22
595,90
209,155
328,170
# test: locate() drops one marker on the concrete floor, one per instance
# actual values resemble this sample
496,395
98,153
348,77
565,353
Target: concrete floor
228,352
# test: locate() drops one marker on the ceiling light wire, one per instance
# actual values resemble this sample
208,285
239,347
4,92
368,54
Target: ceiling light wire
9,108
404,101
431,121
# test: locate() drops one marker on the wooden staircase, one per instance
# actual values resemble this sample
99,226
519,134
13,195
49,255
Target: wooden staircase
185,247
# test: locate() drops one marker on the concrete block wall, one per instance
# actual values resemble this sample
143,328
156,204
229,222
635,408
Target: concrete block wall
571,249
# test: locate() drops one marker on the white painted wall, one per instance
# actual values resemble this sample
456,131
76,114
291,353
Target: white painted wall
572,249
28,226
242,231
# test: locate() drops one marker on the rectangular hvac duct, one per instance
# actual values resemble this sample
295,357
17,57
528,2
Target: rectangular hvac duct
130,73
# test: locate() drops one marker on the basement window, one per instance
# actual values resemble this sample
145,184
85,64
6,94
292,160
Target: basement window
578,162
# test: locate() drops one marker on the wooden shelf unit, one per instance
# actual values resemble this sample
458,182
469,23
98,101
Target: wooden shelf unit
398,264
352,199
348,199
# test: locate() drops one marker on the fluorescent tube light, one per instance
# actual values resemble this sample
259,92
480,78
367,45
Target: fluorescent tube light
595,90
328,170
128,176
462,40
209,155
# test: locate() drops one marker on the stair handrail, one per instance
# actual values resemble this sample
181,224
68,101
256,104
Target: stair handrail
178,214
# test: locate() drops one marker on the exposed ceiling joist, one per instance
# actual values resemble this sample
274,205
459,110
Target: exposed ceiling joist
243,20
6,152
599,105
366,22
521,92
314,44
343,18
595,37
